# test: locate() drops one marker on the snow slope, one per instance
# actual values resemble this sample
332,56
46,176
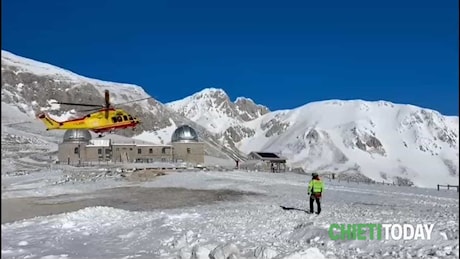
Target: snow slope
119,92
59,74
380,140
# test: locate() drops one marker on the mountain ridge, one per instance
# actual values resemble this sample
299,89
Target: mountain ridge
210,104
380,140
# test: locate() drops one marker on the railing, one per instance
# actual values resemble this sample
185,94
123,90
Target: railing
448,186
348,179
331,177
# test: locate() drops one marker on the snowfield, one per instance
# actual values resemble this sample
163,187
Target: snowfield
252,225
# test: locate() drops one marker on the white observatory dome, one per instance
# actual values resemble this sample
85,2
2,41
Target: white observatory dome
184,134
77,136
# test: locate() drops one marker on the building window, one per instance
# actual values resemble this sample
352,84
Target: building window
99,151
75,150
139,151
189,150
130,149
150,150
163,150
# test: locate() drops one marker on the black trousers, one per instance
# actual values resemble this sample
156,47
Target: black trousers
318,203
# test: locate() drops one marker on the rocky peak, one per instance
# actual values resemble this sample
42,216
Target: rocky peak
248,109
213,95
212,108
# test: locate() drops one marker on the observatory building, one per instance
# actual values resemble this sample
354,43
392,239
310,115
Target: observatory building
78,147
186,146
73,147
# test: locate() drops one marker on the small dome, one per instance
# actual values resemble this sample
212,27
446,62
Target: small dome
77,136
184,134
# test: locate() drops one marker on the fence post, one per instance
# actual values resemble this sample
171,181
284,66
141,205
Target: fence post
438,186
448,186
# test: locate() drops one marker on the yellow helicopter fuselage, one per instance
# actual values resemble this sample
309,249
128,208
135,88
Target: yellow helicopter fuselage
103,120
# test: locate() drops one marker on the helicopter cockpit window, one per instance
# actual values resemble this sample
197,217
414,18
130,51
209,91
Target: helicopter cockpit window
114,119
119,119
125,118
130,117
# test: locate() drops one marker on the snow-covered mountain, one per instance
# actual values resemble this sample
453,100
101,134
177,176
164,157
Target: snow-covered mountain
381,140
33,86
378,140
213,109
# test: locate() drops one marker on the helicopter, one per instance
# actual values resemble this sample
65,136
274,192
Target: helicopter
105,118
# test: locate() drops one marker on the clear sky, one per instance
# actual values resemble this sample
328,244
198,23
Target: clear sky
282,54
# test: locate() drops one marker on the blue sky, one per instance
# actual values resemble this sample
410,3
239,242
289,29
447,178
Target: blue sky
282,54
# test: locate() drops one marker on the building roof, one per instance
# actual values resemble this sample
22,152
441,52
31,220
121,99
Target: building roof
153,145
267,156
115,140
139,143
99,143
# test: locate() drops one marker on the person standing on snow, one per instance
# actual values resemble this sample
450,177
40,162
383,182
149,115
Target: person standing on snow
315,190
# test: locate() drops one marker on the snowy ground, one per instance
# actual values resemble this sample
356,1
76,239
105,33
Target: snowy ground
148,219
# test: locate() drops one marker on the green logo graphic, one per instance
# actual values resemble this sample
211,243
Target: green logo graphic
380,231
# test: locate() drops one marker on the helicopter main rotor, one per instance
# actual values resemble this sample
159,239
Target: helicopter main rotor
107,106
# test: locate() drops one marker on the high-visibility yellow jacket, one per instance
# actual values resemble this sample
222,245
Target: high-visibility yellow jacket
316,186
